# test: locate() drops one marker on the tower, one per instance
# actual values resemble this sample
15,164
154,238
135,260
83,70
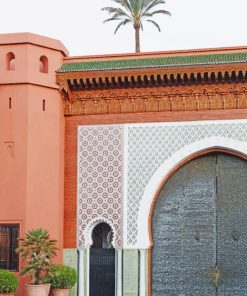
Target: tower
31,134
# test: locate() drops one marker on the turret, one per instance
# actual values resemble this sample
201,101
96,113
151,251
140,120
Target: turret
31,135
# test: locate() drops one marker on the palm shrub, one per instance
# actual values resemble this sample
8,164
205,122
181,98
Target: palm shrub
8,282
38,250
62,277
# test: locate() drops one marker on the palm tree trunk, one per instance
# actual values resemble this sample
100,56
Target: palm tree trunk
137,39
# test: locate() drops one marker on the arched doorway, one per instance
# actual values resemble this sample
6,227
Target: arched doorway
199,229
102,262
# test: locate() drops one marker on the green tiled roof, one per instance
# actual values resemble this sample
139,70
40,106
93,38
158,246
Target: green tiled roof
159,62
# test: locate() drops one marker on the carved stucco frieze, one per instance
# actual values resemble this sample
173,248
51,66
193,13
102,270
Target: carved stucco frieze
159,99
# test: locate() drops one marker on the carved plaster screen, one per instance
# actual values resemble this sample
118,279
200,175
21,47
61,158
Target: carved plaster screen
150,145
199,230
99,180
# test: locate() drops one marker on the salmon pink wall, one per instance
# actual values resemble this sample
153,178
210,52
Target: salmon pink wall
13,147
45,151
31,137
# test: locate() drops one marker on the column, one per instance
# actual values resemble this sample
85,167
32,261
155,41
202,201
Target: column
119,272
142,277
88,269
81,272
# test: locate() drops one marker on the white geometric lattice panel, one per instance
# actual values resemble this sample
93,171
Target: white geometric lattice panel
99,179
149,145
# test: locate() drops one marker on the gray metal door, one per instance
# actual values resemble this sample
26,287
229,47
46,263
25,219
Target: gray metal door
199,231
232,226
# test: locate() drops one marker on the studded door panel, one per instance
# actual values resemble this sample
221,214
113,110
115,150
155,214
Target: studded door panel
232,226
199,230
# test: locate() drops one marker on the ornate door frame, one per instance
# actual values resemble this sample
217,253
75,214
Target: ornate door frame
165,171
84,260
168,168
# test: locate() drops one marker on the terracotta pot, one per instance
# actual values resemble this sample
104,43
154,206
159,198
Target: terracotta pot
38,290
60,292
7,294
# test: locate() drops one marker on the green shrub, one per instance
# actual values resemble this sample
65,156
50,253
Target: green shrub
62,277
8,282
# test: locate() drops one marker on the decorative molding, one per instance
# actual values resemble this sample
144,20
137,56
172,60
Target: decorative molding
156,99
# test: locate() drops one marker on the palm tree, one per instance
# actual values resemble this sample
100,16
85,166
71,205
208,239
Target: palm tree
135,12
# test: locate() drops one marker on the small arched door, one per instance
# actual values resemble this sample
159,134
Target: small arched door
102,262
199,229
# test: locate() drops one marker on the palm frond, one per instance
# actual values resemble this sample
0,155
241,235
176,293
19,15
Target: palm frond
147,3
147,14
116,13
155,24
111,19
123,23
124,3
161,11
112,9
135,5
153,4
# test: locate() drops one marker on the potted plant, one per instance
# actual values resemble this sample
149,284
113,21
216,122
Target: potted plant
62,279
8,283
38,250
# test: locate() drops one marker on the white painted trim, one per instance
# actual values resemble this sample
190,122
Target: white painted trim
81,273
142,273
143,241
118,273
88,271
125,186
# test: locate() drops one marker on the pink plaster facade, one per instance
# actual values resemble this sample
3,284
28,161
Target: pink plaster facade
31,136
39,147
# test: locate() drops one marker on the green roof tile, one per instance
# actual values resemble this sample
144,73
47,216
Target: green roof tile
155,62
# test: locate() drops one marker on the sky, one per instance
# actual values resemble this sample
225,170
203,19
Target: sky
78,24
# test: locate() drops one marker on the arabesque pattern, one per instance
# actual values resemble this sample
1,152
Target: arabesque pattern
100,178
149,145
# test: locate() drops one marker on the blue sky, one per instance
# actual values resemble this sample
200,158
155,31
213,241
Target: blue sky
78,24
